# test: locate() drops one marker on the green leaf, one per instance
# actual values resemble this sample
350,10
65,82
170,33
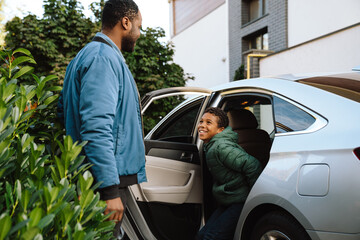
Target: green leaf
90,235
47,197
25,198
60,167
7,133
9,90
9,193
22,50
5,225
22,71
86,198
79,235
35,217
54,88
54,175
50,99
54,193
39,173
18,226
48,78
93,203
45,221
17,189
4,144
38,237
30,233
26,140
30,95
16,113
20,60
36,78
89,180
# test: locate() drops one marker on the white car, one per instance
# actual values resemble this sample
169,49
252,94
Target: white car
304,129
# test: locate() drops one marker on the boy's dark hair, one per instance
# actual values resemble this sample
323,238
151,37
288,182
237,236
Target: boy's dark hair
115,10
223,118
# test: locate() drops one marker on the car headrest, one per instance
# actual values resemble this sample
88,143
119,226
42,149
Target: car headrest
242,119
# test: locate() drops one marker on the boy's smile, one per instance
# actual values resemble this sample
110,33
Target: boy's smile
208,127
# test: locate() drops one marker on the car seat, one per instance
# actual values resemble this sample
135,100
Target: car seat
254,141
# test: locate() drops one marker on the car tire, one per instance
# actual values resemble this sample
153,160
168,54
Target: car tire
279,226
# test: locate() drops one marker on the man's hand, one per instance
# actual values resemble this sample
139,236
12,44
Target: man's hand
115,205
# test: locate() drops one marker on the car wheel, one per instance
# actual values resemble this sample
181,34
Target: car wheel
278,226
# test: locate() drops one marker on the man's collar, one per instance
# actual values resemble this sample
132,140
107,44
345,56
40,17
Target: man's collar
104,36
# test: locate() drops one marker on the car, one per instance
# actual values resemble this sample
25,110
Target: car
305,130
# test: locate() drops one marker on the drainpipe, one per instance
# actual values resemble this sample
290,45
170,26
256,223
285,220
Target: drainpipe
248,61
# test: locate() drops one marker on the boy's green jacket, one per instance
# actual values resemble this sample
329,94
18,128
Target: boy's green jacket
234,171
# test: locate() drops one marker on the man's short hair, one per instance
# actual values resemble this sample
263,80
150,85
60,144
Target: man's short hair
223,118
115,10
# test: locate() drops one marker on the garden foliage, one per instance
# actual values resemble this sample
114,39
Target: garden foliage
45,190
57,37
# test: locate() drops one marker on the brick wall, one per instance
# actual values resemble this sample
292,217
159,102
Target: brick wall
274,22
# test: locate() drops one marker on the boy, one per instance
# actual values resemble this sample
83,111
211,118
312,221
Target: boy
234,172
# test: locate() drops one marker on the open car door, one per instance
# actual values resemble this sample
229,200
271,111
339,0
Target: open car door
169,205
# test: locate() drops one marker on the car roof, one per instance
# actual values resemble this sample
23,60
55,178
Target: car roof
333,76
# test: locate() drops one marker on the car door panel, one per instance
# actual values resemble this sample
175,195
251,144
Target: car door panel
182,185
183,152
171,200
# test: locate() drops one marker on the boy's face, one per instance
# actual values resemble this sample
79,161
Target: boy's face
208,127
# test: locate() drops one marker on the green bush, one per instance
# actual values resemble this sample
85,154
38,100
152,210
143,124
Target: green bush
45,190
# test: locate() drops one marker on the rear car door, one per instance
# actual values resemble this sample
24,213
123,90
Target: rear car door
171,201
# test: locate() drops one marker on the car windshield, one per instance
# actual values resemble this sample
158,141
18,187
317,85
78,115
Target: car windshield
345,85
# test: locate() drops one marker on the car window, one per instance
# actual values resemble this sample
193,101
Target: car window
180,126
259,105
289,117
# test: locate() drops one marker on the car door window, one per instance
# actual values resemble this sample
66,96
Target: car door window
180,126
259,105
290,118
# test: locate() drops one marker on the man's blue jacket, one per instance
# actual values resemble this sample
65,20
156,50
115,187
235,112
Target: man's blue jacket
100,104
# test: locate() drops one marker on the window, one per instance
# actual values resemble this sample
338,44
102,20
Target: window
257,9
260,106
253,9
180,127
289,117
260,42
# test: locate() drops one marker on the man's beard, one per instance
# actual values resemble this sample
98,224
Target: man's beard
128,43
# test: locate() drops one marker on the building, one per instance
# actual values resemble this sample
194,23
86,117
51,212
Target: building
214,38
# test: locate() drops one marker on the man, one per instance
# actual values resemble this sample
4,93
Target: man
100,105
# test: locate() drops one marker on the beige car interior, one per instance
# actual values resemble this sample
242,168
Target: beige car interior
170,181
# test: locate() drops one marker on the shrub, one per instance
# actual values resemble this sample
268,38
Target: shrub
45,190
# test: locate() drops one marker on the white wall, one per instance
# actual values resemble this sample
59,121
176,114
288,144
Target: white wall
337,52
309,19
202,49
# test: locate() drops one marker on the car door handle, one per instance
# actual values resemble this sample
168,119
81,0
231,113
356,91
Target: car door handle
173,194
186,157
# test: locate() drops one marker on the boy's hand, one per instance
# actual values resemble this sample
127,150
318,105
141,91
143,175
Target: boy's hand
114,205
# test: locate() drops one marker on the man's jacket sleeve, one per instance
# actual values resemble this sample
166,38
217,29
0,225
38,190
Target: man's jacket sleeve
98,100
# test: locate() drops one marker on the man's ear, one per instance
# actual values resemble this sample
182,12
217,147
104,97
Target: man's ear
126,23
